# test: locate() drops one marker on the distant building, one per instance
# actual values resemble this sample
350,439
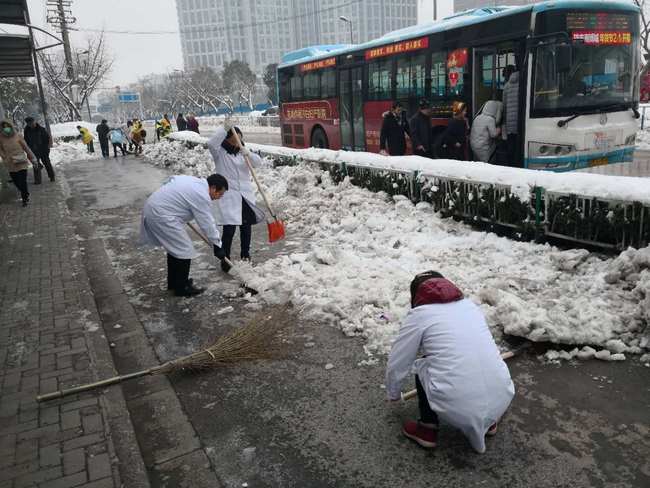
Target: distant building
214,32
461,5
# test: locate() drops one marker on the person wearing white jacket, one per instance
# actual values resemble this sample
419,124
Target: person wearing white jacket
486,130
237,207
460,379
164,218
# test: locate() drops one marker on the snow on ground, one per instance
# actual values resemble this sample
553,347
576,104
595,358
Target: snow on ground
247,123
360,251
643,140
69,129
66,152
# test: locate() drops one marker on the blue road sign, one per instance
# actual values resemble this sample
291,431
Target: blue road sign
129,97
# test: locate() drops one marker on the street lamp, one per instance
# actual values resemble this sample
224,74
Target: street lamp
345,19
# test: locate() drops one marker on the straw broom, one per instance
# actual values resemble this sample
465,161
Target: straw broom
258,339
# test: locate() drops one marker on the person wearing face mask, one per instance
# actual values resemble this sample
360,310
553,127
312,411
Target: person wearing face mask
15,153
237,207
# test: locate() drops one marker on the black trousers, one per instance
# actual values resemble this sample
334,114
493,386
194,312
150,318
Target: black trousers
245,232
115,146
44,160
104,145
178,272
91,147
20,180
513,150
427,415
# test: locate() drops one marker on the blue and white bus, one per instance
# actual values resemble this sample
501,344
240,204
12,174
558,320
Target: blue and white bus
578,65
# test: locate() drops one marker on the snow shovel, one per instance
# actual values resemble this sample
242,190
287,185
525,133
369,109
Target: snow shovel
506,355
247,288
275,228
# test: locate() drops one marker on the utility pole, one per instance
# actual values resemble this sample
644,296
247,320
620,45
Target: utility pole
59,14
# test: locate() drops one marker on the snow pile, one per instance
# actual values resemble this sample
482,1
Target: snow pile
179,158
360,250
69,129
188,136
253,122
65,152
622,188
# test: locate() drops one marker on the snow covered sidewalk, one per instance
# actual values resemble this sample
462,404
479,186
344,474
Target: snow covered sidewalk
360,251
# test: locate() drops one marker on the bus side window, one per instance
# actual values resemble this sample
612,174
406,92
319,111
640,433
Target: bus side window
439,74
328,83
379,80
311,86
296,87
410,76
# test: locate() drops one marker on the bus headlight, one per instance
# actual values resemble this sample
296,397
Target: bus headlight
541,150
630,140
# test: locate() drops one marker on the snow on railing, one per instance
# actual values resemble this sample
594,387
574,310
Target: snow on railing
606,211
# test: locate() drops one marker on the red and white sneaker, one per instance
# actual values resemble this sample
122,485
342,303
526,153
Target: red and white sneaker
492,431
425,436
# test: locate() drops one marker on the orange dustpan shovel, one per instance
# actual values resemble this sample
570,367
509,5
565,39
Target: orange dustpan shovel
276,228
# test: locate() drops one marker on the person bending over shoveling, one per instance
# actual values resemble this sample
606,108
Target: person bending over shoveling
460,379
164,218
237,207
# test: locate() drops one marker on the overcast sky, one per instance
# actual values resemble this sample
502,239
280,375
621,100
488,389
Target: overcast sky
140,54
135,55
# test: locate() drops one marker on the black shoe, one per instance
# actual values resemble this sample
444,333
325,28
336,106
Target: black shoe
246,259
189,280
189,290
25,202
225,267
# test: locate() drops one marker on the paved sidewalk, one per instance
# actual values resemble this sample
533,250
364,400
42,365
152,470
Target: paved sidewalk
50,338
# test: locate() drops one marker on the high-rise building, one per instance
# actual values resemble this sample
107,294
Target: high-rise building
462,5
259,32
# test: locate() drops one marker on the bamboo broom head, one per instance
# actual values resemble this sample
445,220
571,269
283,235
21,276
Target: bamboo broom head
258,339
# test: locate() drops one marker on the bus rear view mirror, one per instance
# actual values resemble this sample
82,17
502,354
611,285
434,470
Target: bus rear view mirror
563,57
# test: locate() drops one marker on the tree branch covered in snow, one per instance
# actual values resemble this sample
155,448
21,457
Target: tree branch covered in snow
90,66
644,6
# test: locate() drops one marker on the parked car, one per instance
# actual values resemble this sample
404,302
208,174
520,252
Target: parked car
271,111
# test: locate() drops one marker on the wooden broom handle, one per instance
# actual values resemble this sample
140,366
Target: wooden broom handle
506,355
205,239
250,167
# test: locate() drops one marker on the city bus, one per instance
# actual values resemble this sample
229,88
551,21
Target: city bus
578,64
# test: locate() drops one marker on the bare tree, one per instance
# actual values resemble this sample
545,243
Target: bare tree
239,81
644,6
90,66
20,98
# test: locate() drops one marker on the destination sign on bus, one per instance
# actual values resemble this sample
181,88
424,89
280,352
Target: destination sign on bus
597,21
602,38
321,63
397,48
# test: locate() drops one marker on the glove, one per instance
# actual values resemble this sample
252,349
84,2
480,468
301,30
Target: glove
219,253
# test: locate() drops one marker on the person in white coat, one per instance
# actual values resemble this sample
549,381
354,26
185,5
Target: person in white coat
486,131
237,207
164,218
460,379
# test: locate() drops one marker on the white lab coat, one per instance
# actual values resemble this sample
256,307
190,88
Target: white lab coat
467,383
168,209
240,184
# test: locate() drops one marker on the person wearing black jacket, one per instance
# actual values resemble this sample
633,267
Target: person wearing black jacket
454,138
40,142
181,123
102,131
392,139
421,133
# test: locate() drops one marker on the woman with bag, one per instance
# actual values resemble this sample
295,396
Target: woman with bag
16,155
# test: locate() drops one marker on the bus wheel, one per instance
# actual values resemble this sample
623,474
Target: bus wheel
319,139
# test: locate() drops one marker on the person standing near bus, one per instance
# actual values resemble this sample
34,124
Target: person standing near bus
392,139
420,130
511,113
454,139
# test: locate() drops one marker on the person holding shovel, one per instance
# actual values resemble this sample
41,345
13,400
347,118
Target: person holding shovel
237,207
164,218
460,378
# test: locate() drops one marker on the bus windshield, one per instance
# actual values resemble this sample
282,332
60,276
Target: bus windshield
579,77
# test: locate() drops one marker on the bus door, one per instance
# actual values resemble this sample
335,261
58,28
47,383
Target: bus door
351,109
488,74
